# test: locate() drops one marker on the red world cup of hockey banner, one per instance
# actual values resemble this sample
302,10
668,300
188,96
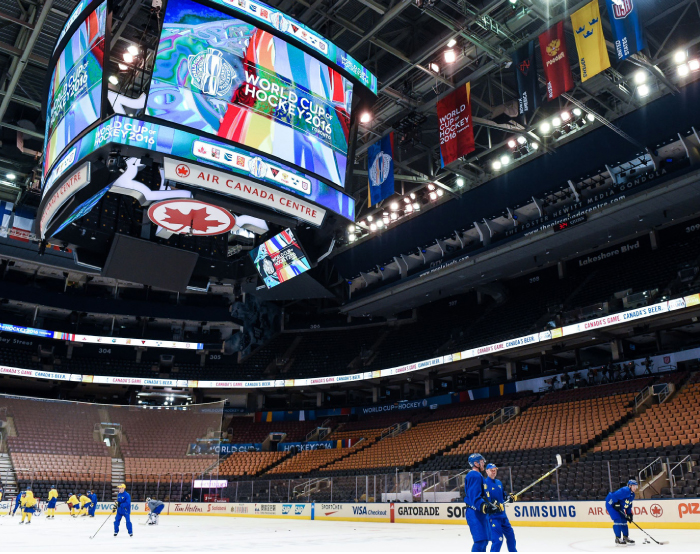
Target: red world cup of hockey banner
555,61
456,129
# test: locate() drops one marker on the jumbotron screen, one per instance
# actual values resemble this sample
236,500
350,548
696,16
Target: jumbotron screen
75,94
279,259
226,77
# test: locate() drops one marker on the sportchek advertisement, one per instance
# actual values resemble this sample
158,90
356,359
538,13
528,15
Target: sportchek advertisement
223,76
650,514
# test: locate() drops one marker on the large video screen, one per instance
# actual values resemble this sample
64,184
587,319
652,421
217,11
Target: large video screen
75,93
279,259
226,77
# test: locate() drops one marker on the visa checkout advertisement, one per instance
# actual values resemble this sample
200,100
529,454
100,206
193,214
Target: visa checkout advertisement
75,93
225,77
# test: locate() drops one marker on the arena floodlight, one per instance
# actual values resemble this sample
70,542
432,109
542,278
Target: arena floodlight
128,58
112,79
496,165
370,218
680,56
416,206
11,176
450,56
640,77
694,65
452,42
433,196
535,146
351,228
505,160
590,117
366,117
394,216
577,112
352,237
123,67
394,206
133,50
431,186
373,227
565,116
459,182
435,68
643,90
683,70
556,122
521,140
413,195
545,127
511,143
380,224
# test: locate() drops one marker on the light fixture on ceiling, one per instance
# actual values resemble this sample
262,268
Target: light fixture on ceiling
521,140
511,143
534,145
640,77
394,206
366,117
459,182
435,68
433,195
680,56
556,122
590,117
450,56
505,160
565,116
694,65
133,50
112,79
352,237
496,165
643,90
123,67
440,192
683,70
128,58
545,127
577,112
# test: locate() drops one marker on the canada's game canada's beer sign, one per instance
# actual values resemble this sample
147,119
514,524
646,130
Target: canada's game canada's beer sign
456,129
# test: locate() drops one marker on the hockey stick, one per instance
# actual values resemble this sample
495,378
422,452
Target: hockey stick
103,524
647,534
550,472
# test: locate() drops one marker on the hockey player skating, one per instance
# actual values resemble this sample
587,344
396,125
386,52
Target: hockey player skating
73,504
18,502
619,506
28,505
123,509
500,525
51,506
93,503
479,507
155,507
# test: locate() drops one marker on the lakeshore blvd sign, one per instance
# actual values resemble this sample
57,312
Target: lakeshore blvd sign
229,184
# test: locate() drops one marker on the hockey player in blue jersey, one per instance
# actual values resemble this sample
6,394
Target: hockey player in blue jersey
500,525
93,499
479,506
123,509
18,501
619,506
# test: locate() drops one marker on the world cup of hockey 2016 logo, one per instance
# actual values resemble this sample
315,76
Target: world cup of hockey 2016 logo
379,171
280,22
268,267
257,167
210,72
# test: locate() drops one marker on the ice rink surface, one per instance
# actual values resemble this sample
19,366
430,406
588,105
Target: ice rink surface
193,533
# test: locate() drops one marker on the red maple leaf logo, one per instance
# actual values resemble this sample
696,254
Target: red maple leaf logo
656,510
198,220
182,170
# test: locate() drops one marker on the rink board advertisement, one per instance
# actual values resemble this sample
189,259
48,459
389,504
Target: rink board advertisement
650,514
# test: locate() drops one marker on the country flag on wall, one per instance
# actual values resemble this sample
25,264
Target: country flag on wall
555,61
380,160
22,224
590,43
525,67
6,215
626,27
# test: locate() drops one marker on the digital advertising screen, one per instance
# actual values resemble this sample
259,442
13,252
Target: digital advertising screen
75,93
279,259
72,18
223,76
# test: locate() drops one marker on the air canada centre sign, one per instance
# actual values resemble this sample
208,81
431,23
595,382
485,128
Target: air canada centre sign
233,185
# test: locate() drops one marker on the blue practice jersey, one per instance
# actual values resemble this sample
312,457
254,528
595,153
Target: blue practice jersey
623,496
474,490
124,501
494,490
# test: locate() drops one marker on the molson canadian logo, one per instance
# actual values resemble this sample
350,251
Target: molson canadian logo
210,72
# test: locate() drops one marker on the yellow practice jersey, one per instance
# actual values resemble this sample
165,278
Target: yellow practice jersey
53,493
28,500
84,499
0,496
73,500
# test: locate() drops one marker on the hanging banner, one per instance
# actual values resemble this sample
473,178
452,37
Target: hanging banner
590,42
456,130
626,27
380,158
555,61
525,67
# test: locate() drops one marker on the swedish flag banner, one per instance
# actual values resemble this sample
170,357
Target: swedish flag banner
590,43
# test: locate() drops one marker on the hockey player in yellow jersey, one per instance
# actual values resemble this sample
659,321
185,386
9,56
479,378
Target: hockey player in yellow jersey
84,504
28,505
51,507
73,504
0,494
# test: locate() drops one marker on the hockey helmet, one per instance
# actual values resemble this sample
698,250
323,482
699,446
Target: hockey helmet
632,482
475,459
491,466
148,499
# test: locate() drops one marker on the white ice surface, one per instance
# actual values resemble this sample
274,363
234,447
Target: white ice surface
193,533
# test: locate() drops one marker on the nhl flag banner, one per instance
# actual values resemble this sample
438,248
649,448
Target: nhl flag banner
525,65
380,157
456,130
555,61
626,27
590,43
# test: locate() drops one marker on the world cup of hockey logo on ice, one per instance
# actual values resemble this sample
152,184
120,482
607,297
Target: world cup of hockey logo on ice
379,172
210,72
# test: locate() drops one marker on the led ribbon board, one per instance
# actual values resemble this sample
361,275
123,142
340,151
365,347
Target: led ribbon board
301,33
75,93
174,142
226,77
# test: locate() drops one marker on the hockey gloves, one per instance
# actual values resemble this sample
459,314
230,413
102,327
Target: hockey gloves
512,498
491,508
629,517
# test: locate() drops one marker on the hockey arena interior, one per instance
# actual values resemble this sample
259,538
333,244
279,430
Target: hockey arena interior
349,275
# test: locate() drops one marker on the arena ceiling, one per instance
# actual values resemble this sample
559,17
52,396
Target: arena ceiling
402,42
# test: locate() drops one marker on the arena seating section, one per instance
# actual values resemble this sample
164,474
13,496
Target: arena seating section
514,307
54,443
